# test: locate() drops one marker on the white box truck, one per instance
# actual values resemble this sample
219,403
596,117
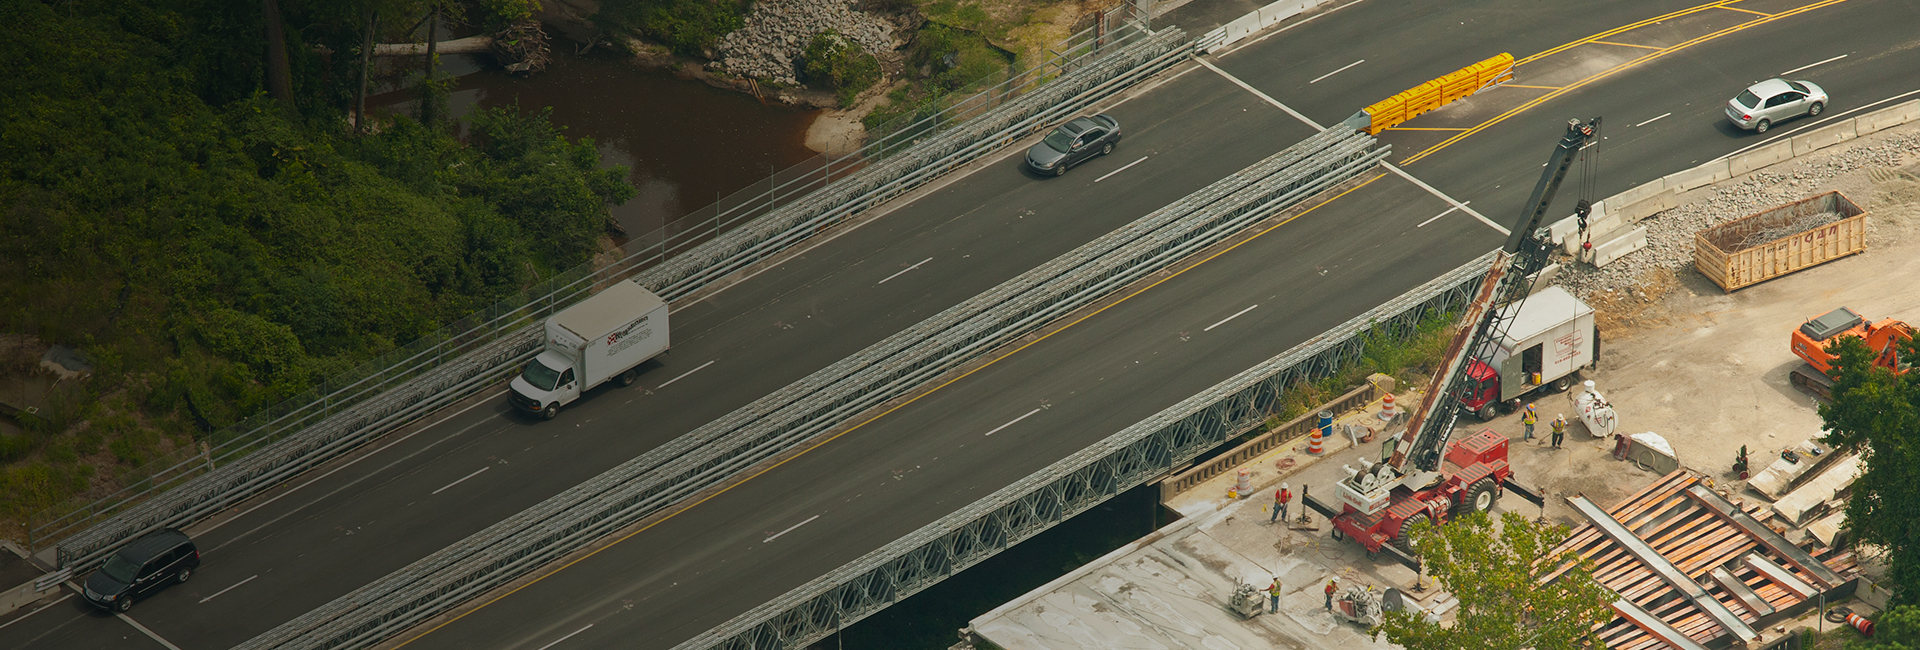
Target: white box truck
604,337
1546,342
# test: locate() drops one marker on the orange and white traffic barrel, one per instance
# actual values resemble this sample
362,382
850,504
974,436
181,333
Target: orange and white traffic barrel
1386,408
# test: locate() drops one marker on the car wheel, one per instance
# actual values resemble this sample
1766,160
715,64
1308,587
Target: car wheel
125,603
1404,541
1563,383
626,378
1761,126
1062,169
1109,148
185,574
550,411
1485,413
1815,109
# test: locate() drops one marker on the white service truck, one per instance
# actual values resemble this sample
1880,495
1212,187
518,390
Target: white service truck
604,337
1546,343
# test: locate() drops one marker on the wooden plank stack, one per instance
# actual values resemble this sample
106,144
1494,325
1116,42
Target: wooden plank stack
1695,540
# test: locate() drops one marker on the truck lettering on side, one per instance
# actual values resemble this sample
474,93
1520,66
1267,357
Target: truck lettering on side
1567,347
623,343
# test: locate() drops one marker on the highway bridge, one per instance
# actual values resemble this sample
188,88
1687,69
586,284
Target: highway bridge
1659,72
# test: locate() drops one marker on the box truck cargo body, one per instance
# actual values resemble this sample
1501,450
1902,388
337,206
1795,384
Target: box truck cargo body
1551,337
604,337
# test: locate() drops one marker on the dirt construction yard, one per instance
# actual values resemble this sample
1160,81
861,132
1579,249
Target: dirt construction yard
1707,369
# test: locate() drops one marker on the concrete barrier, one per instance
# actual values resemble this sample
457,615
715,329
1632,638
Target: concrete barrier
1240,28
1645,207
1282,10
1630,241
1741,164
1562,233
1887,118
1822,138
1637,194
1712,172
1261,18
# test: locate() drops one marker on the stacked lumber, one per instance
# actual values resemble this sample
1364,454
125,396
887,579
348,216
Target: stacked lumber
1696,540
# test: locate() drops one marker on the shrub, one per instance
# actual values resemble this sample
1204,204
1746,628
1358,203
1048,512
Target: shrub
689,27
832,61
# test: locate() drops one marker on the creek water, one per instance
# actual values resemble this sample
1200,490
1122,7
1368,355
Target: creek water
684,143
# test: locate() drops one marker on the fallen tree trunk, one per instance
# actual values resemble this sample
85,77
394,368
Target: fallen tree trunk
468,45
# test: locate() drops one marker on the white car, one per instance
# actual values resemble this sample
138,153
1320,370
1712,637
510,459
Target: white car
1762,104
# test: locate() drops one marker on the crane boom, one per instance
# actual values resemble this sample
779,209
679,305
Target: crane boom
1524,254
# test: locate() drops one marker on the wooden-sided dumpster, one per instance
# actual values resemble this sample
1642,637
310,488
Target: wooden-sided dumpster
1780,240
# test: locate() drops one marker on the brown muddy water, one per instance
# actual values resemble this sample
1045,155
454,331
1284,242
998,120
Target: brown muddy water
684,143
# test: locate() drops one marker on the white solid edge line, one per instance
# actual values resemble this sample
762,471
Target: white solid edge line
790,529
1443,196
1810,125
1651,121
222,591
350,463
568,636
1837,58
1342,68
462,479
1102,178
1246,44
1256,92
1223,321
1011,422
42,609
1390,166
143,630
704,365
897,274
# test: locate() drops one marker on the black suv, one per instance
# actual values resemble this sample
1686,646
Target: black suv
156,560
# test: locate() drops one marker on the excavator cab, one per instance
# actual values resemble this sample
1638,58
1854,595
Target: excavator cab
1813,342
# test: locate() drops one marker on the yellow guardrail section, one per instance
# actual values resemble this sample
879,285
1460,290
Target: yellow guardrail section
1434,94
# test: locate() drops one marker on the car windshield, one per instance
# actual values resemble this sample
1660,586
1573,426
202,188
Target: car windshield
1748,99
121,569
1799,87
1059,141
541,376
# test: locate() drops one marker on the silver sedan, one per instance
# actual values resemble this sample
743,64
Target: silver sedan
1762,104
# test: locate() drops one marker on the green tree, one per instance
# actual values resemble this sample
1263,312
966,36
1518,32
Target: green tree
1876,414
1897,628
832,61
1498,577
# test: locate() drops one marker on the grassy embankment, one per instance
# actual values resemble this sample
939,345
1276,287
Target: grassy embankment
216,251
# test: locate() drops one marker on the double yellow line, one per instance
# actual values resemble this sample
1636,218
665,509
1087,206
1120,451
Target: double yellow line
1610,71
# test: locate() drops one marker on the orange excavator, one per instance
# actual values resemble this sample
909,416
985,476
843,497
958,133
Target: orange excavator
1812,340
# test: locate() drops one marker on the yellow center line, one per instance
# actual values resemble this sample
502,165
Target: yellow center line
1611,71
882,414
1435,128
1649,47
1756,13
1527,86
1626,28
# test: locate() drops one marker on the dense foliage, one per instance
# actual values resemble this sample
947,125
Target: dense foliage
217,251
689,27
1497,573
832,61
1898,628
1876,414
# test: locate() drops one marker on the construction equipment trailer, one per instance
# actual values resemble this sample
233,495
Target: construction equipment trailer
1428,479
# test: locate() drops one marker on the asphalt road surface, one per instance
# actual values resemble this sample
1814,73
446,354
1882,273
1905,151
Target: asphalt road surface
1660,87
684,575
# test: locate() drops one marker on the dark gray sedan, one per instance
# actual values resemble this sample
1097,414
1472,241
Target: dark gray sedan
1073,143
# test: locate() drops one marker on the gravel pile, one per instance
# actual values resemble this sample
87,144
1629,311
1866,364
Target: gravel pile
1670,233
778,31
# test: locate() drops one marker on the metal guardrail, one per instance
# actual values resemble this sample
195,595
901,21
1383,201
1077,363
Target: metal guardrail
304,432
1278,436
827,398
1140,453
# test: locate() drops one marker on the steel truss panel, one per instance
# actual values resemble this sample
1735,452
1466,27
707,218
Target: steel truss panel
1799,558
1136,455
